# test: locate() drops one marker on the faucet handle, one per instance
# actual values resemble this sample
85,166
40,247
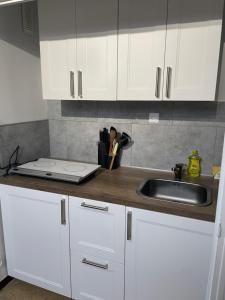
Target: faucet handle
179,166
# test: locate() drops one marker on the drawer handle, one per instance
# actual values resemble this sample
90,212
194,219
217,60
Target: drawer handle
94,264
129,226
63,212
72,88
158,82
80,84
168,82
83,204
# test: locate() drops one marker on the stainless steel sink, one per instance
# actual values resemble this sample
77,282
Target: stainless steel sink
176,191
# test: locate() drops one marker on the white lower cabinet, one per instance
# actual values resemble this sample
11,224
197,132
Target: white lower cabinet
97,232
92,250
36,234
167,257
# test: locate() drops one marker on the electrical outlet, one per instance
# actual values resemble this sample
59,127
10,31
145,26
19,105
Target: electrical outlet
153,118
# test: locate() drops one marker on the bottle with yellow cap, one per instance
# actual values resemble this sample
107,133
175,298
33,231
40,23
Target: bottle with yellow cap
194,166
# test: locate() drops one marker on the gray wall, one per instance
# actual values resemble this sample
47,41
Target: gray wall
20,85
20,71
33,138
183,126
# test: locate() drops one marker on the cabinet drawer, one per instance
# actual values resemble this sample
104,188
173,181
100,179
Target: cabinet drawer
97,228
96,278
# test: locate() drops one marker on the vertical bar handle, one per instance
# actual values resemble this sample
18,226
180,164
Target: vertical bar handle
158,82
72,88
63,212
168,82
80,84
129,226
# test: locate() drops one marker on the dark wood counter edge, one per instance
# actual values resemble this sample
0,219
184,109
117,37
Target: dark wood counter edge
119,187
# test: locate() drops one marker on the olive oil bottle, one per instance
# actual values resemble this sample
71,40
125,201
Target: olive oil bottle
194,166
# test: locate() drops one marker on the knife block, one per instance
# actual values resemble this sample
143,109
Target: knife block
104,159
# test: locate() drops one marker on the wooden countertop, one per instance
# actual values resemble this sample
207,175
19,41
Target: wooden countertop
119,187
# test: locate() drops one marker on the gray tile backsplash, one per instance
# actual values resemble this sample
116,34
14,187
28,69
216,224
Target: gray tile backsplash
163,146
33,138
121,110
78,140
219,145
183,126
58,138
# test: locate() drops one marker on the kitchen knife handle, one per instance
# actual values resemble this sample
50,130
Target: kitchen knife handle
129,225
80,84
158,82
72,88
168,82
63,212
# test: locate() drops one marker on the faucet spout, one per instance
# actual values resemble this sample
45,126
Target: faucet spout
178,171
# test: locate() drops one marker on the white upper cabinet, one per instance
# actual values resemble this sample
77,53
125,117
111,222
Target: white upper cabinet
58,48
192,49
97,49
141,49
78,41
130,49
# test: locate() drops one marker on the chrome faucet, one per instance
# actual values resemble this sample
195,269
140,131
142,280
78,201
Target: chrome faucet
178,171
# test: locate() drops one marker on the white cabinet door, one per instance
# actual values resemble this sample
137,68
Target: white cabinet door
36,241
141,44
97,241
192,49
97,49
167,257
58,48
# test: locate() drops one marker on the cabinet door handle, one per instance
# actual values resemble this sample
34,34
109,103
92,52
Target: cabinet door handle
94,264
168,82
80,84
129,226
63,212
158,82
83,204
72,88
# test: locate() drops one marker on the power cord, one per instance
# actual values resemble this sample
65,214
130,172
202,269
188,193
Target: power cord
10,163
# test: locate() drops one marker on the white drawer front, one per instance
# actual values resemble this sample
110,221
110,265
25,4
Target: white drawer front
96,278
97,228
